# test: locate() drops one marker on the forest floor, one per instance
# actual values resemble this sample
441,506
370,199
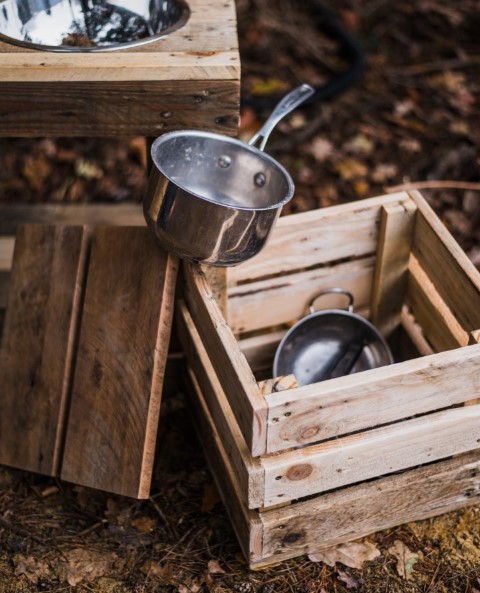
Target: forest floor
413,117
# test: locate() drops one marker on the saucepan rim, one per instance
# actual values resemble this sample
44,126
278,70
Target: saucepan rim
228,140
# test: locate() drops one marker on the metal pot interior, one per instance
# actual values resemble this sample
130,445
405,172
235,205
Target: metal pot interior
222,170
88,25
317,346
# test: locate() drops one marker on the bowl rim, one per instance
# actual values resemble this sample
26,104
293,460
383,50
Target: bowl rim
184,16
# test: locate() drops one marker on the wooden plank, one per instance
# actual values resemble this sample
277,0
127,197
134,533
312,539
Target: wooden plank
234,374
123,343
38,344
7,245
455,277
283,299
393,253
248,472
363,400
439,325
300,241
202,65
117,108
357,511
246,523
380,451
11,215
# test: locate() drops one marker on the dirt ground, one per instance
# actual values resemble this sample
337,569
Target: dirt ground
413,116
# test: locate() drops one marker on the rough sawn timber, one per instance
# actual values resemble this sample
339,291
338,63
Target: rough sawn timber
123,343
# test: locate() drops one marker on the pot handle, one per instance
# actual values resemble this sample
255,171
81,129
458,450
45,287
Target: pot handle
348,294
286,105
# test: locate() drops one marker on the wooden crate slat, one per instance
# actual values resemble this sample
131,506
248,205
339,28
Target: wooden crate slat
123,343
358,511
249,474
438,323
268,303
234,374
453,274
117,108
393,253
362,400
38,344
292,245
363,456
48,67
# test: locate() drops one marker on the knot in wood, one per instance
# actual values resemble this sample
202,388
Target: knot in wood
292,538
309,432
299,472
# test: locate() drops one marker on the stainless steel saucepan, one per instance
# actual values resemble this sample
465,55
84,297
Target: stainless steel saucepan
330,343
214,199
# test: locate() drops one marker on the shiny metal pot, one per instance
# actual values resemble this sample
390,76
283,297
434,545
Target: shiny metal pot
330,343
214,199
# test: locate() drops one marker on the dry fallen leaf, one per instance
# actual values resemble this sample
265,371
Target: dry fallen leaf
81,564
406,559
211,497
154,569
31,568
321,149
214,567
352,554
350,582
144,524
349,169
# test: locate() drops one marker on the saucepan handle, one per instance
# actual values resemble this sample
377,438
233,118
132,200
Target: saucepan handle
348,294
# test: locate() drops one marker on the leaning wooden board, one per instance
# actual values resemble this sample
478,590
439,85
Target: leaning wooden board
111,345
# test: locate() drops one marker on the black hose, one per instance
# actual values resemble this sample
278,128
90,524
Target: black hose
350,50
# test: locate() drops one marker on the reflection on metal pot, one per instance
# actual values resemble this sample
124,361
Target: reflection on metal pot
88,25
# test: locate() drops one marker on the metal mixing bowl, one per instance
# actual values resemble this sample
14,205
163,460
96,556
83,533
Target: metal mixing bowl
88,25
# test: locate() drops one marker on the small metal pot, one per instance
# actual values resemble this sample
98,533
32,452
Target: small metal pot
330,343
214,199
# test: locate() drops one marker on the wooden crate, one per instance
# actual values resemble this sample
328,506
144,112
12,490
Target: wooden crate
314,466
189,79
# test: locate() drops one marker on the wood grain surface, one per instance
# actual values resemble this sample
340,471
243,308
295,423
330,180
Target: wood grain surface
123,344
38,344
